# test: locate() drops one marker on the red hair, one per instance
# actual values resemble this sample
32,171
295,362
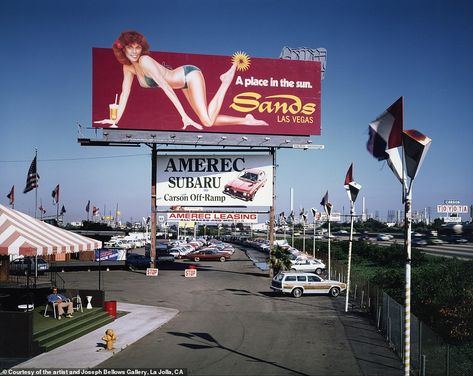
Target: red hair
126,38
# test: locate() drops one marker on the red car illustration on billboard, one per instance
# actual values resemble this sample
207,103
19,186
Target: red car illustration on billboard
245,186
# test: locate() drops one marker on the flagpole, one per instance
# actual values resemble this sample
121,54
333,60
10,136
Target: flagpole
407,304
36,185
313,240
350,243
303,234
329,240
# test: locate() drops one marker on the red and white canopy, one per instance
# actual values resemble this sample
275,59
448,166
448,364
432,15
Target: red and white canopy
21,234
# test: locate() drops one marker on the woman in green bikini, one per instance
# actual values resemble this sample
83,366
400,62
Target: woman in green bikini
132,50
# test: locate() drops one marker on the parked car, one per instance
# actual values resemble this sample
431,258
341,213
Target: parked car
245,186
178,252
308,265
207,255
22,264
164,256
137,261
298,284
364,238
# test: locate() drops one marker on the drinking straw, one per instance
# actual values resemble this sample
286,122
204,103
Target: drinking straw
116,98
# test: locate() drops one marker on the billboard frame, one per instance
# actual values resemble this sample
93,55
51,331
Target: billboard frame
124,137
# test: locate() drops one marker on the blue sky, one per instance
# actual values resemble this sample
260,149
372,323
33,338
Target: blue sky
377,51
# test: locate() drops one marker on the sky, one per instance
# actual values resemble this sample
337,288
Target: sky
376,52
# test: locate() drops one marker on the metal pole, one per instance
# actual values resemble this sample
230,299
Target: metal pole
352,216
153,205
292,244
271,209
303,236
313,242
328,246
292,219
100,268
407,305
36,188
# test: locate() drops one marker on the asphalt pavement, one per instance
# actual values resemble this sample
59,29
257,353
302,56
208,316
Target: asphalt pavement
226,321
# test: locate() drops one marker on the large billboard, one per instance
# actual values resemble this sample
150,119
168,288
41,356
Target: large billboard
206,93
214,180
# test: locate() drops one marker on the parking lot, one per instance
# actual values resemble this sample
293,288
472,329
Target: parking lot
230,323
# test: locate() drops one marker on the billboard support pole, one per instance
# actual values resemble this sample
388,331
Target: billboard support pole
271,209
153,204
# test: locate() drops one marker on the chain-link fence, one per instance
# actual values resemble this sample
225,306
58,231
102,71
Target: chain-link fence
430,355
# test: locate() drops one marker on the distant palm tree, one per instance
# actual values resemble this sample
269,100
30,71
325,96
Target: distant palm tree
279,260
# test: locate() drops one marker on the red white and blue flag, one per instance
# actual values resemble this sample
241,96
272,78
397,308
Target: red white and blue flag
11,195
326,204
55,195
32,177
385,132
349,175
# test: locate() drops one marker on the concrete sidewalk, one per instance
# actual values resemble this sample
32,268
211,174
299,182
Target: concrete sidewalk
86,351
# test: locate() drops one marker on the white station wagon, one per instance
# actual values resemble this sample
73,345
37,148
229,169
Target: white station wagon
298,284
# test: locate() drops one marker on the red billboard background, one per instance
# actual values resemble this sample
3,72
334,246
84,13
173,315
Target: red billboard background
283,93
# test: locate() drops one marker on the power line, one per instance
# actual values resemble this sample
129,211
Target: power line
76,159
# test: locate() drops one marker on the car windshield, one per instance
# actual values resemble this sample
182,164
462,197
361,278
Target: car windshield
249,176
279,277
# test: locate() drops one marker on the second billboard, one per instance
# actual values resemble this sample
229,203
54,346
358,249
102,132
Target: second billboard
215,180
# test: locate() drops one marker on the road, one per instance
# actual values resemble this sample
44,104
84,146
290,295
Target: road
229,323
461,251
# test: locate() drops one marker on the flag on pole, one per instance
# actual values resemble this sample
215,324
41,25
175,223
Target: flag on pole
291,216
63,210
11,195
385,137
41,209
349,176
32,177
55,195
95,211
351,186
302,215
327,204
385,132
87,207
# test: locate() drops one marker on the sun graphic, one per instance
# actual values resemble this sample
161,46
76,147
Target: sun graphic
242,59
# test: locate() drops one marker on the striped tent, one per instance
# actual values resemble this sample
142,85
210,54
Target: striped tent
21,234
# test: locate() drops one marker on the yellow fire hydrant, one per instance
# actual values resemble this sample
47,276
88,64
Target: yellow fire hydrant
109,338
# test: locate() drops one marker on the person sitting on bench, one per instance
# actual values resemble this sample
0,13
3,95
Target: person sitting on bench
61,302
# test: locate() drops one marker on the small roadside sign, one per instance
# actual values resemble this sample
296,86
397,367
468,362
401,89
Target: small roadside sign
190,273
152,272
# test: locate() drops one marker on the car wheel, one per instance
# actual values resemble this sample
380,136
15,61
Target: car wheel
297,292
222,259
334,292
318,271
293,270
196,259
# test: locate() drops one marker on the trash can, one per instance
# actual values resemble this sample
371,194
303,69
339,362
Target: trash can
111,307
